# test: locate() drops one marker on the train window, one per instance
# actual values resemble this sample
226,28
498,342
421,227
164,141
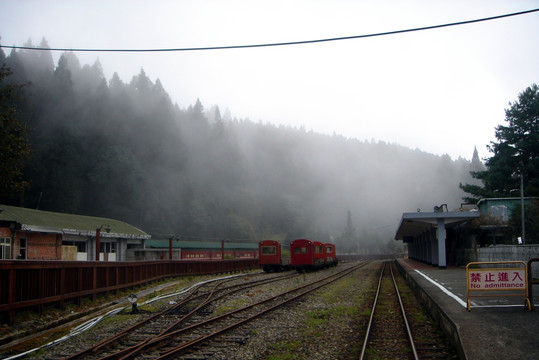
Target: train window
318,249
301,250
329,249
269,250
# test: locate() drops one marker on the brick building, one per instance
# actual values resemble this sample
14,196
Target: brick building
44,235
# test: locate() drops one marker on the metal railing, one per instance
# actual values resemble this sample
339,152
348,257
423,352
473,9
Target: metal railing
32,285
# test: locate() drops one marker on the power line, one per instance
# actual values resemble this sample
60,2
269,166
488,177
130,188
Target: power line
279,43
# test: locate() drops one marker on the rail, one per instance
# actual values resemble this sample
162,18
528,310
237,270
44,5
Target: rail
33,285
410,339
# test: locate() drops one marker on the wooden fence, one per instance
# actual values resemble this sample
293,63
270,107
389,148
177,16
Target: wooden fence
33,285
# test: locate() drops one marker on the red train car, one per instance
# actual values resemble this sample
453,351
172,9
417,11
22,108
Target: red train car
306,254
301,254
330,254
272,256
319,254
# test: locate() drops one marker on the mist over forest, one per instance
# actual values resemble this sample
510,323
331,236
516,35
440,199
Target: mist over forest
125,150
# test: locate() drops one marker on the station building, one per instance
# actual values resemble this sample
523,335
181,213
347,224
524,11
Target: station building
43,235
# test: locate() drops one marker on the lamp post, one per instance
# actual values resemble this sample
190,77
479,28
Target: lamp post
520,153
98,239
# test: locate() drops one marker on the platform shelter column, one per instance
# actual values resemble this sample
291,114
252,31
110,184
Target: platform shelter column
425,254
441,242
433,248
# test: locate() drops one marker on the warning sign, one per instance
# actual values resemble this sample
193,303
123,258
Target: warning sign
506,279
497,278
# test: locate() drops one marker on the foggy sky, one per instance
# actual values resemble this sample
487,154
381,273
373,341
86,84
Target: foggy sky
442,91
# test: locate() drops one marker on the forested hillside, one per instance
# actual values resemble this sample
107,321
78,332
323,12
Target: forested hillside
125,150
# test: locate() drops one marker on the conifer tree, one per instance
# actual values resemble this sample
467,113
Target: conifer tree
515,153
14,145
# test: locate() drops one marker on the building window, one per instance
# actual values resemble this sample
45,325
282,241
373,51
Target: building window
500,212
5,248
108,247
22,250
81,245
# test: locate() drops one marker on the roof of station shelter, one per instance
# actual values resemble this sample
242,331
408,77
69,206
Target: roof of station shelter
60,223
415,223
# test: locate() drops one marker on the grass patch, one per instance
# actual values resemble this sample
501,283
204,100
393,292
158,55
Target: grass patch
366,312
420,317
287,350
317,318
231,306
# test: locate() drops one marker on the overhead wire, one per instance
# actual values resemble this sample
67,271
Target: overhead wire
302,42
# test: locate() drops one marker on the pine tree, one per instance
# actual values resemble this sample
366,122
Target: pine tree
516,152
14,145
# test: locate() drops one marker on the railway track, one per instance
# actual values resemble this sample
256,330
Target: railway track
393,333
192,304
186,326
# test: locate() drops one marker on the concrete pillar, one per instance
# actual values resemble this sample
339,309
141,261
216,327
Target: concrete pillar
426,248
424,257
433,249
421,248
441,243
121,249
90,249
418,248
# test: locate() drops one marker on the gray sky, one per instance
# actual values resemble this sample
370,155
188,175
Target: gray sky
442,91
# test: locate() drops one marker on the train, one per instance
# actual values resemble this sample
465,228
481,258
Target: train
303,255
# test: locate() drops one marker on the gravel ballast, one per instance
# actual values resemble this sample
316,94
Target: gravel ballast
327,324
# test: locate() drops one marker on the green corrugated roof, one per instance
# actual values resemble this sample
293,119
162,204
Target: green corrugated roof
160,244
47,221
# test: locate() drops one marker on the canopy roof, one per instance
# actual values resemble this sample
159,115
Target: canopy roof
414,224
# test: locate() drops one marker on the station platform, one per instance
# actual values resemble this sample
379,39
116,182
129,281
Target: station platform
495,328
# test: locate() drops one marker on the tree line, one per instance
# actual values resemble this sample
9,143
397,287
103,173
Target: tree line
125,150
